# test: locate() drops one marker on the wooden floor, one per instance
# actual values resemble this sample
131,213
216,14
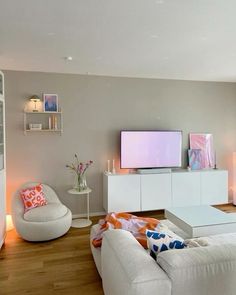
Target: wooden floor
63,266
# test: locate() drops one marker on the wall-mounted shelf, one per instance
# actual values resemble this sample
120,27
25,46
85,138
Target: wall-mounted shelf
43,130
35,113
43,118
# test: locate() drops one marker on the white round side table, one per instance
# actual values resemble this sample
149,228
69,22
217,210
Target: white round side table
79,222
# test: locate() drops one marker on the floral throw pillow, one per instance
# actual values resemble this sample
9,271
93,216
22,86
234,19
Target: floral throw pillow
161,241
33,197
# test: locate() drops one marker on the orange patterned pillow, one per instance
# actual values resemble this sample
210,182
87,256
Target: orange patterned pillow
33,197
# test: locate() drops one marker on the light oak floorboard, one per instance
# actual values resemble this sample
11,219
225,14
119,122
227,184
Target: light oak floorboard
62,266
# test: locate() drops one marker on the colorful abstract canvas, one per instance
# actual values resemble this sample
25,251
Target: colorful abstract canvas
194,159
203,142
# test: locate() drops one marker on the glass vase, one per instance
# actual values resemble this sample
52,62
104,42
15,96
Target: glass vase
81,183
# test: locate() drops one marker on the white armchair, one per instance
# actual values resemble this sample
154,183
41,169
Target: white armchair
42,223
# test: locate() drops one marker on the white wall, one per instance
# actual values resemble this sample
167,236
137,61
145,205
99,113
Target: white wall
95,110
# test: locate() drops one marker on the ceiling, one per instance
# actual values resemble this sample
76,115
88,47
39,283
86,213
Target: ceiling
168,39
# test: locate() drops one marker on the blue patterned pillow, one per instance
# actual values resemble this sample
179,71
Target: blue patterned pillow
160,241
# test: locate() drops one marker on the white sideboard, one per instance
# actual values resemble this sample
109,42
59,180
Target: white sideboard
144,192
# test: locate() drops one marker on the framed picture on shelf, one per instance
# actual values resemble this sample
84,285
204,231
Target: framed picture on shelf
50,102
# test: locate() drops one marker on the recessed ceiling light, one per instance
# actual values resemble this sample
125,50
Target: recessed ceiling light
154,36
68,58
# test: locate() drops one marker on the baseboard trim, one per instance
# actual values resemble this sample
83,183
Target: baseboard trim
90,214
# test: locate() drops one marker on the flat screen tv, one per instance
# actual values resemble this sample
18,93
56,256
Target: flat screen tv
151,149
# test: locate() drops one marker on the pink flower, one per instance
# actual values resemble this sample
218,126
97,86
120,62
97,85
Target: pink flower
79,167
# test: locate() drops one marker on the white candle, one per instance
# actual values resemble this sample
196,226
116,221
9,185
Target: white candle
108,166
113,167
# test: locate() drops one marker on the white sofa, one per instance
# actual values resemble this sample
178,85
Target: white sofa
42,223
127,269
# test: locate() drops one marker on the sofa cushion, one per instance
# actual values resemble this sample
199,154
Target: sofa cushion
33,197
201,270
161,241
46,213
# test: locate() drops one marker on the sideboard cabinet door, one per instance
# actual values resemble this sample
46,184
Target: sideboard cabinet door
122,193
186,189
214,187
155,191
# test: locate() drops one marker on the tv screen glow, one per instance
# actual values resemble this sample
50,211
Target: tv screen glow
151,149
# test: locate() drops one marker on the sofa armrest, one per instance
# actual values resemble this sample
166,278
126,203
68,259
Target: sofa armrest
128,269
203,270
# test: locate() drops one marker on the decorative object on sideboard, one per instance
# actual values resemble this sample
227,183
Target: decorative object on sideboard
194,159
108,167
204,142
113,167
50,102
215,166
35,99
80,168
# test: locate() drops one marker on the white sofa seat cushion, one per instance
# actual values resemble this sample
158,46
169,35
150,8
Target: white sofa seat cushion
202,270
46,213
